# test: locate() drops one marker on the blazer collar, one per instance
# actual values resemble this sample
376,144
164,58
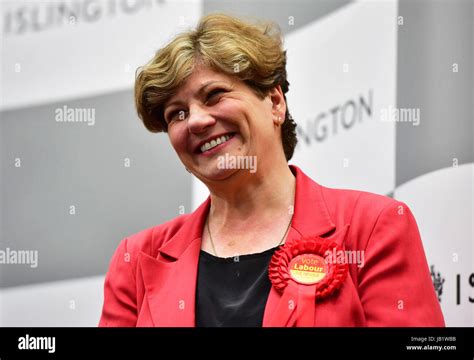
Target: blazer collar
178,258
311,216
191,230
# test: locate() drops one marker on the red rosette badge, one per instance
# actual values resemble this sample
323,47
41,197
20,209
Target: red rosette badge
303,271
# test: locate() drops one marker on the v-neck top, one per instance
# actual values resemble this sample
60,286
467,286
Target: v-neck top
232,292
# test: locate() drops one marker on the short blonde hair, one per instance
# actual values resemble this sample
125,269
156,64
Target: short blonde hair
252,52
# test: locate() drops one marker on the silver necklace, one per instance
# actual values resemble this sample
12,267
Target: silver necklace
212,242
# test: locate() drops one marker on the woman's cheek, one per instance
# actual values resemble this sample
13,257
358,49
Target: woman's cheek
177,138
230,113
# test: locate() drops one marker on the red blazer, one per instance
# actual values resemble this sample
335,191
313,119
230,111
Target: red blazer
152,276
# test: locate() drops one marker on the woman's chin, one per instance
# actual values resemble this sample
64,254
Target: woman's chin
216,174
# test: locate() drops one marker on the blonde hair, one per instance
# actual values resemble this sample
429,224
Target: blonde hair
251,52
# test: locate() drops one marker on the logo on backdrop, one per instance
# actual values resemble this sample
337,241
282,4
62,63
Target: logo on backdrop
438,282
31,17
462,281
339,118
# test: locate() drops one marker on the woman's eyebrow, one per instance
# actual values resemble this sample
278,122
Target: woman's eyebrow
202,89
199,93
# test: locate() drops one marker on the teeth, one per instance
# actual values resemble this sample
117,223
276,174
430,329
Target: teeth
213,143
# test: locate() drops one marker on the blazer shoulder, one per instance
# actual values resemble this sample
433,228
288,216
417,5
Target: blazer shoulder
356,198
349,205
362,210
151,239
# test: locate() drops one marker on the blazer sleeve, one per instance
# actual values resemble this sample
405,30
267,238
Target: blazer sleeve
119,308
395,285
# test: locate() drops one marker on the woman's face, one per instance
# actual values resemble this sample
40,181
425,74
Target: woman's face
212,108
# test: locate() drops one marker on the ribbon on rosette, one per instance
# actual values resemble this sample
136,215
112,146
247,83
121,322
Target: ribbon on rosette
302,272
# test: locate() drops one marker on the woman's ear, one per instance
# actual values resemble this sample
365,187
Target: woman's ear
278,105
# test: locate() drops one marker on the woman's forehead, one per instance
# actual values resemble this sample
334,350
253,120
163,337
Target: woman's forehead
202,75
198,82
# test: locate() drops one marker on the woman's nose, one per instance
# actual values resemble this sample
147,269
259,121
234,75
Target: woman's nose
199,120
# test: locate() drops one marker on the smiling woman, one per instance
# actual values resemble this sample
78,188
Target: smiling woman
219,94
234,49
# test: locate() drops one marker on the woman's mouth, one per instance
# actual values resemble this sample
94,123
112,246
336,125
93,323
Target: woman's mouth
215,144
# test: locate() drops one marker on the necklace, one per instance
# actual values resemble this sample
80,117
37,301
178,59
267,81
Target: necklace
212,242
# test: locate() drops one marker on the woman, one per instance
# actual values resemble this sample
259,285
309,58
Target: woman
269,247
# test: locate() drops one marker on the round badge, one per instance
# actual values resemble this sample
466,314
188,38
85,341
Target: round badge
308,269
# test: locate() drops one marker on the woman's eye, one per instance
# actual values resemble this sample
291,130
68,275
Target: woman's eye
213,94
176,115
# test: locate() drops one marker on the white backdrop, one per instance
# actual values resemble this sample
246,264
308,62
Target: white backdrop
342,69
336,67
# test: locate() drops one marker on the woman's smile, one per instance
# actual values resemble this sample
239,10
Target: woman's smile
215,144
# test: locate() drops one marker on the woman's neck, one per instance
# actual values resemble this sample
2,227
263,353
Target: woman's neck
254,198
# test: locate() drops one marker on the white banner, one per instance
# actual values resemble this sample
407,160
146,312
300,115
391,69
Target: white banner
342,73
57,50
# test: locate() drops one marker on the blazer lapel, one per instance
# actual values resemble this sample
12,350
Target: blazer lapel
311,218
170,278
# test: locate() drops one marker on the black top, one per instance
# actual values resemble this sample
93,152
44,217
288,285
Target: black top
232,291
